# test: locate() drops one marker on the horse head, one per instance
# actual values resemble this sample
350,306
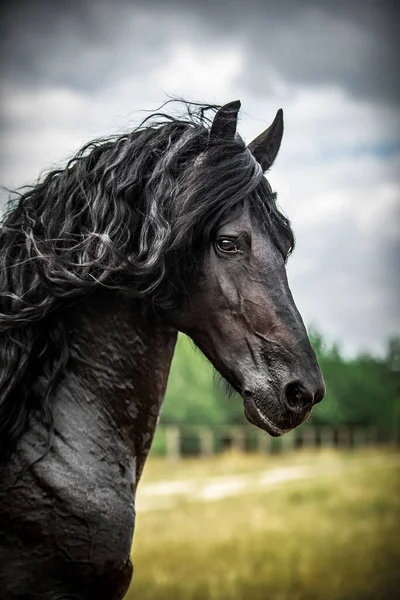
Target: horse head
239,309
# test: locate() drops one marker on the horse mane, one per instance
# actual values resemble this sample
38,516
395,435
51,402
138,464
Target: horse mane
122,214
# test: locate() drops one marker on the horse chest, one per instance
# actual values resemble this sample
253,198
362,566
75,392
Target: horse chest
68,531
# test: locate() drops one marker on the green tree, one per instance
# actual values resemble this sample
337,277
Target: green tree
191,394
363,390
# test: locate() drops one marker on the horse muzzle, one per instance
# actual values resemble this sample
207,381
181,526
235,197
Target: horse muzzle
278,414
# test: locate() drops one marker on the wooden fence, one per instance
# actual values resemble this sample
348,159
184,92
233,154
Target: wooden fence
175,441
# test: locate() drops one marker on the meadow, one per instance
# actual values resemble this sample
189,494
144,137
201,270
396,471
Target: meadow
331,535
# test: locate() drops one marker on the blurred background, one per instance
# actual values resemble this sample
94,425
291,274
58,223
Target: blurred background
223,511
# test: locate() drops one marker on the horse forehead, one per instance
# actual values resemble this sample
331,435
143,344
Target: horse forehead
241,222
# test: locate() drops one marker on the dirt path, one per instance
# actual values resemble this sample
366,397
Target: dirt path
167,494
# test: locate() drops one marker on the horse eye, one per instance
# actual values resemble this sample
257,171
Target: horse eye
227,245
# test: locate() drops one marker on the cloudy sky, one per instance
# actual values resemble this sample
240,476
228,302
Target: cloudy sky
74,71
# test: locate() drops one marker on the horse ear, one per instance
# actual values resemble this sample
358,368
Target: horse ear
265,147
225,121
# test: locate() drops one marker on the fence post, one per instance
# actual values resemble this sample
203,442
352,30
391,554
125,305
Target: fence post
264,443
238,439
206,435
173,442
288,441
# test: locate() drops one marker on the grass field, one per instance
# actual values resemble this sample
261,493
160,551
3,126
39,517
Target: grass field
335,536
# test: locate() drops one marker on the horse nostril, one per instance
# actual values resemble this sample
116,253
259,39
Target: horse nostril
298,397
319,395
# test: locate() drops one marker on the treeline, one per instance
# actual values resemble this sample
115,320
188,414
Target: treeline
361,391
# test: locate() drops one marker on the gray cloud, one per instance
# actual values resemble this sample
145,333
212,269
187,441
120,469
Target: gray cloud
74,44
85,44
351,286
69,69
316,47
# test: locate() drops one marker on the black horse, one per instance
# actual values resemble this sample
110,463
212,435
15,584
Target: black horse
172,227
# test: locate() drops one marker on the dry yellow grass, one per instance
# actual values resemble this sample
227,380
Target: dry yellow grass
331,538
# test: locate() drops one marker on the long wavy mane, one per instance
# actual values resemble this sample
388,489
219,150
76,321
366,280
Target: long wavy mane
130,213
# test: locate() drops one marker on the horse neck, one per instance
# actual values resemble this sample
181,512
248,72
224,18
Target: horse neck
121,354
